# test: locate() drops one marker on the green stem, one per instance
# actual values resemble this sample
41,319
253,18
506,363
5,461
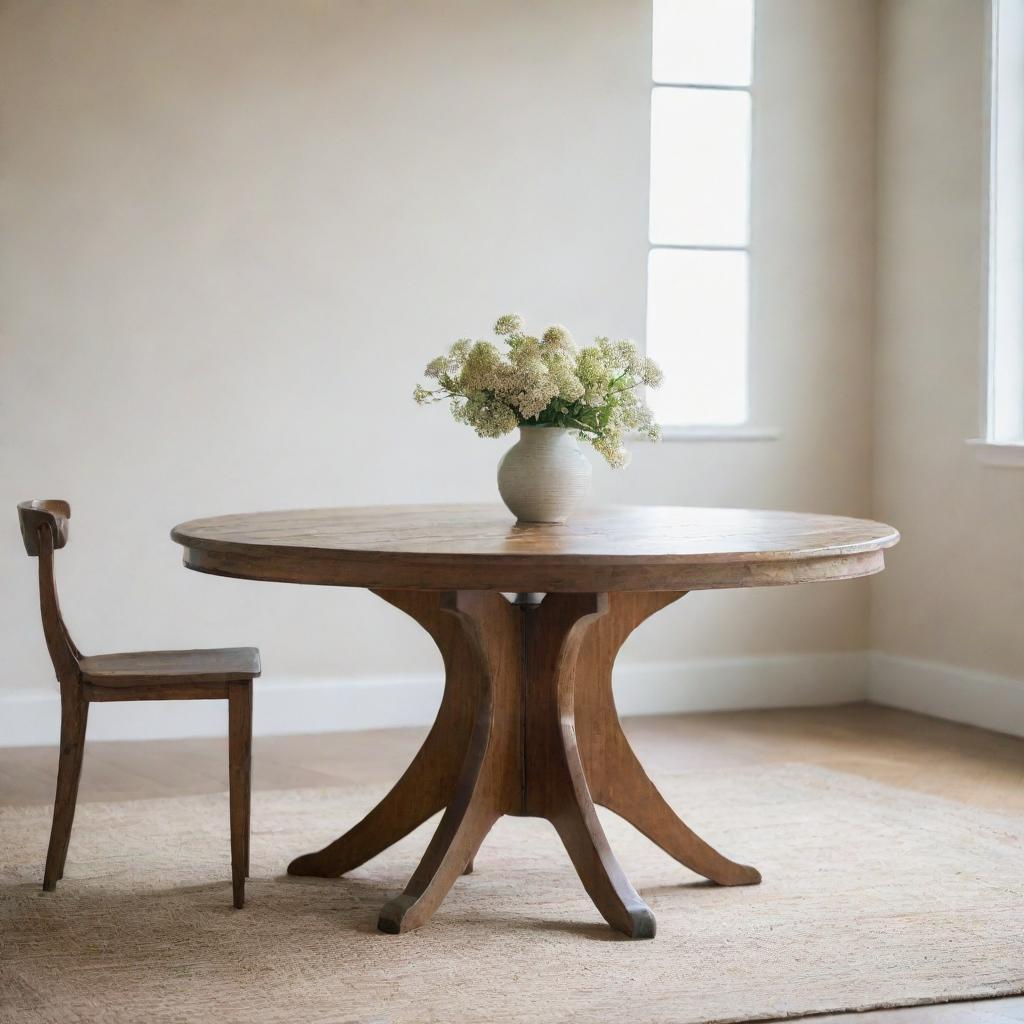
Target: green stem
583,426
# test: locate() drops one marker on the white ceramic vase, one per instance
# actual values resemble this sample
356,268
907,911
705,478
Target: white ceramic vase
544,475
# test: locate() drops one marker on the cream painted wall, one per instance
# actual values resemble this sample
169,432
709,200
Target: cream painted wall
234,231
955,593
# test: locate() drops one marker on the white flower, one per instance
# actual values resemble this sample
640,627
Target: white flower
558,337
548,381
508,324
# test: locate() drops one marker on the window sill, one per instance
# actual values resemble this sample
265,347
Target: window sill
1001,453
738,433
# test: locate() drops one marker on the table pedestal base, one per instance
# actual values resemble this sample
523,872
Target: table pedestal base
527,726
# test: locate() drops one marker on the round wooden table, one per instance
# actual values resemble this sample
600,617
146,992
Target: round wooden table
527,724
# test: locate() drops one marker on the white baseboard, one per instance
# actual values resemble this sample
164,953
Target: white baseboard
304,705
284,706
947,691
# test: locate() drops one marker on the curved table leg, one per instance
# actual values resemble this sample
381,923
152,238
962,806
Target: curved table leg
556,786
602,875
488,784
463,827
617,779
428,783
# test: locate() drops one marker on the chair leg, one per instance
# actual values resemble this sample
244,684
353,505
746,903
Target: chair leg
239,766
74,715
247,800
247,796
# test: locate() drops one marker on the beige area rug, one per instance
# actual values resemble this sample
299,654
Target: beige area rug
872,897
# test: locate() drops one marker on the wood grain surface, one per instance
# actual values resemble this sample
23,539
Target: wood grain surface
481,547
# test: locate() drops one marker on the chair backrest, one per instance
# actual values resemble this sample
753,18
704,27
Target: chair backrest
44,529
50,512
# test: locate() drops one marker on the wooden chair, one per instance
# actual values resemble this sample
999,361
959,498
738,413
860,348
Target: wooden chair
148,675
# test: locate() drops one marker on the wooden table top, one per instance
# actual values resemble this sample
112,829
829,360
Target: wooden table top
450,547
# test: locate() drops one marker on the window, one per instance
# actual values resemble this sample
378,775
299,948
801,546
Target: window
1005,403
698,265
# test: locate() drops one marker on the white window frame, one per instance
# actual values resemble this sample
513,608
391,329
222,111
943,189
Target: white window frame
999,444
721,432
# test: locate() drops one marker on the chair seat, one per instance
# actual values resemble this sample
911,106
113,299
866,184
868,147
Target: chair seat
219,665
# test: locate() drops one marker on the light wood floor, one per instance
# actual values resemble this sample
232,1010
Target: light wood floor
894,747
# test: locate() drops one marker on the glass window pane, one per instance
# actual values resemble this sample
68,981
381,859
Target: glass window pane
707,42
700,167
697,332
1006,272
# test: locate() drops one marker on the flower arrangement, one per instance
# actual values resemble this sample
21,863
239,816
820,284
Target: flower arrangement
546,382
